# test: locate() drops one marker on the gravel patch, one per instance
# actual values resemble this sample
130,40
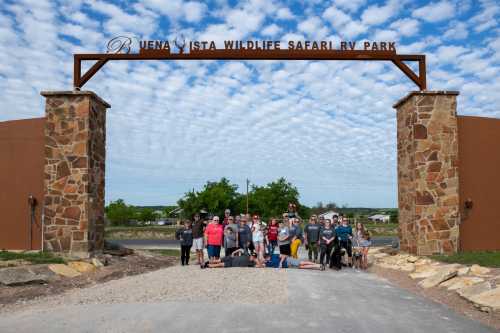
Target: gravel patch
178,283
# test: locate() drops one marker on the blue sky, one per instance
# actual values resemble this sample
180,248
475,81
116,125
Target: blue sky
328,127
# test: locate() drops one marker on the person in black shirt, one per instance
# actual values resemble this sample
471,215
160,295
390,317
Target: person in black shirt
234,260
311,238
185,235
327,237
198,233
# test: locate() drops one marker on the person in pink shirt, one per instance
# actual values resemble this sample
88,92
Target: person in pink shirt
213,238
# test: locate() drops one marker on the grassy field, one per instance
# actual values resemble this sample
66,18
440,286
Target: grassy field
33,257
483,258
382,229
146,232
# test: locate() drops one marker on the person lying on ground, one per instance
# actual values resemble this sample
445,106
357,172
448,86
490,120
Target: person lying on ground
301,264
234,260
273,261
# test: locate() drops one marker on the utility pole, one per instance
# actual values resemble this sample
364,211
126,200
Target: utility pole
248,182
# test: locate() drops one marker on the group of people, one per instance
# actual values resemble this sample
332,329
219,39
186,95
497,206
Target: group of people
249,242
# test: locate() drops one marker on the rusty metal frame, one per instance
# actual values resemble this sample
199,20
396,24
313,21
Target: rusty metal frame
398,59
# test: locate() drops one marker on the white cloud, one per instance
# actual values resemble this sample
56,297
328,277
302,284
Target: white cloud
457,30
375,15
194,11
271,30
313,27
435,12
343,23
185,122
349,5
284,14
406,26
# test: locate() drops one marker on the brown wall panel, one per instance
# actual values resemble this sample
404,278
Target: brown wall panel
479,170
22,154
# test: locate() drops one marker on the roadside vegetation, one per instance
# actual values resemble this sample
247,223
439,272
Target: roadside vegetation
32,257
135,232
483,258
382,229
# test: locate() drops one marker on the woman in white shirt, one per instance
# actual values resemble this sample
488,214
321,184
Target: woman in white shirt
258,237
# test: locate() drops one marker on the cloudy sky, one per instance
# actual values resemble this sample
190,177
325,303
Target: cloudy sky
328,127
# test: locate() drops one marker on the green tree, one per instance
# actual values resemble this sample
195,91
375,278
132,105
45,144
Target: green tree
119,213
146,214
215,198
272,199
394,217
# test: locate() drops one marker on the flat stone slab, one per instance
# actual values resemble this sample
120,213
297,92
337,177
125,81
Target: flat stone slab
21,275
440,276
488,300
64,270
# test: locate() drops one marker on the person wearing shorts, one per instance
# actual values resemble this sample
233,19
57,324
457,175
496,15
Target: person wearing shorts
301,264
198,243
213,238
284,239
258,237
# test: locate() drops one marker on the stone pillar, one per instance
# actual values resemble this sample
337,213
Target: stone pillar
428,172
75,134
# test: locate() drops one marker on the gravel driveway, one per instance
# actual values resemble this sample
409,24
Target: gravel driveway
188,299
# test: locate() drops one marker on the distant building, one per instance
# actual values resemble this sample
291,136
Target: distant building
328,215
380,218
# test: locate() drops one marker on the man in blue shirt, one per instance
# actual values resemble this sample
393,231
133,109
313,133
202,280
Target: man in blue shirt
344,233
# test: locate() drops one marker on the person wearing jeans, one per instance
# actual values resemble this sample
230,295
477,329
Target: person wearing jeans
311,237
272,236
185,235
327,237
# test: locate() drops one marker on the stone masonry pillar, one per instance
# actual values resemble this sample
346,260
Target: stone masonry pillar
75,138
428,196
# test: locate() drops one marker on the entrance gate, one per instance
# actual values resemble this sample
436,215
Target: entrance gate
75,132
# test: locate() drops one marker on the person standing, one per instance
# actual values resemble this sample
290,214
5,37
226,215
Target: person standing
198,230
284,240
185,235
244,235
272,236
344,232
231,237
311,238
296,237
327,237
213,238
258,237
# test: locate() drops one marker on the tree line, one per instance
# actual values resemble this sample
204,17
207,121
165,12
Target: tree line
270,200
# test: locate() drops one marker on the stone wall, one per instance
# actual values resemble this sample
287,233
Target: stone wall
74,172
428,172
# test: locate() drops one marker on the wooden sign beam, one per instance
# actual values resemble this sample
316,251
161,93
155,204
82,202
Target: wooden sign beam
221,54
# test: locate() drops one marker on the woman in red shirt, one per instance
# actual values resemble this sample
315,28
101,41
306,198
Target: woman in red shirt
213,238
272,236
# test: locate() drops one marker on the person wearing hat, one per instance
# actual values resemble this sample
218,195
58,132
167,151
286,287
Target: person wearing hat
198,230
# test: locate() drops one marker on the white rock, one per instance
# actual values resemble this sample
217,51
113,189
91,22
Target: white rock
463,271
441,276
475,289
463,282
488,300
412,259
479,270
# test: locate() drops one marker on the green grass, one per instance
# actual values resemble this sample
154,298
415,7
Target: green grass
483,258
382,229
158,228
168,252
126,232
33,257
